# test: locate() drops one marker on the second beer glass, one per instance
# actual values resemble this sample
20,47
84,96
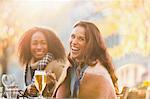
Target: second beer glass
40,80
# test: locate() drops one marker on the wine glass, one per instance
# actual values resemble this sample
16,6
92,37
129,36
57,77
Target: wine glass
40,81
8,80
11,88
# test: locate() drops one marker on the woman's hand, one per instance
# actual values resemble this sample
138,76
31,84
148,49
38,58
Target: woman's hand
50,82
31,90
51,78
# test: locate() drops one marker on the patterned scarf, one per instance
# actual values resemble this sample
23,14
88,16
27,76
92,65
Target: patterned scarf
40,65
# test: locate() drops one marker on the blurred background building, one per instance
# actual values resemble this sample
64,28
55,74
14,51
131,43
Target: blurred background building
125,25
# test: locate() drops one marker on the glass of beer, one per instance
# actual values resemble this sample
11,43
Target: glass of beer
40,80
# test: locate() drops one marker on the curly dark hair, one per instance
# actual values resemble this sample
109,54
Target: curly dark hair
54,45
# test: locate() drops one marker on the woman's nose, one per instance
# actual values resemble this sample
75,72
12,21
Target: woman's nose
74,41
39,46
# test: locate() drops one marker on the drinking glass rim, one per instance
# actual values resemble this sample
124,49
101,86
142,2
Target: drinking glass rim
40,71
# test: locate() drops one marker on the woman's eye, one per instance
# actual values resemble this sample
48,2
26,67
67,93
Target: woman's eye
82,39
34,43
72,36
44,43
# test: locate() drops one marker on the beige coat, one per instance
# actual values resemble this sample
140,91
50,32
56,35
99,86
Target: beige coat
60,70
95,84
57,68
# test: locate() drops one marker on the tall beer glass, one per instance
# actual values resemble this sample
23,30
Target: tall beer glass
40,80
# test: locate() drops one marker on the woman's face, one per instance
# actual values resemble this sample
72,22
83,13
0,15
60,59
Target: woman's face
77,43
39,46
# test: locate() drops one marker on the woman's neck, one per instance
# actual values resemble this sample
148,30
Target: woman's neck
79,63
33,60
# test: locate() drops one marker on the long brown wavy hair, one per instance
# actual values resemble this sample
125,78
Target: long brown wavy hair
54,45
96,49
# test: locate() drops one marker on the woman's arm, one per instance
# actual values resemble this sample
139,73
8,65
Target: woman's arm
96,87
63,90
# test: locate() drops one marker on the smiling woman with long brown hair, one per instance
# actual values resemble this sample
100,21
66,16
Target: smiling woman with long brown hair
91,73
